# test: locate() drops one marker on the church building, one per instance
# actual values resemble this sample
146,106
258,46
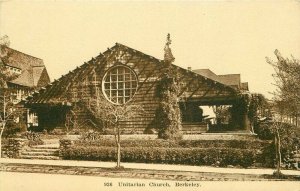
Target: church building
123,75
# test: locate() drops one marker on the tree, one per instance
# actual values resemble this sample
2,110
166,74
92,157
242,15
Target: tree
8,111
222,113
276,127
286,98
287,82
113,114
5,75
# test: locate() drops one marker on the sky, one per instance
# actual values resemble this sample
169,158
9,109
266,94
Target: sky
228,37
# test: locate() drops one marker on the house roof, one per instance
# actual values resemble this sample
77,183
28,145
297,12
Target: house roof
233,80
207,73
52,93
31,68
230,79
244,86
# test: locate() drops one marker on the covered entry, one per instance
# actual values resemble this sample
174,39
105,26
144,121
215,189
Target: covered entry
214,115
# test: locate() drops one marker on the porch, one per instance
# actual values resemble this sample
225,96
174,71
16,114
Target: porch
215,115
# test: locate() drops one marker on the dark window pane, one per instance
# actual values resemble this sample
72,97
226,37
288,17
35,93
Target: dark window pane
113,93
120,78
113,78
127,85
120,85
107,86
127,92
127,77
113,86
120,93
120,70
114,71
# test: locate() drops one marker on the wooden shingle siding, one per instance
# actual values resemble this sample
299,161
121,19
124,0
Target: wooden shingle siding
80,84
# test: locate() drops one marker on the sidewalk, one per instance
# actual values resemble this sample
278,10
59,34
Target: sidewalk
168,167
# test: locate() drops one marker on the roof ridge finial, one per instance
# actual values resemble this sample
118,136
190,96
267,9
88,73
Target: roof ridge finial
168,56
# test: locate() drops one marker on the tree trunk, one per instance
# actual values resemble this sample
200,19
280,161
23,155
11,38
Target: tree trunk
278,152
1,145
118,141
1,132
119,155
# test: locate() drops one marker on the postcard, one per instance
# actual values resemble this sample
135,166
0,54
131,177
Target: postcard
149,95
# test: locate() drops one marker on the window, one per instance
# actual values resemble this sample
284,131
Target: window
119,84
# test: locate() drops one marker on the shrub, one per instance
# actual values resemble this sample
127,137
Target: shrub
264,131
241,144
269,155
5,147
35,142
191,152
33,138
289,138
127,143
65,143
10,131
188,156
91,136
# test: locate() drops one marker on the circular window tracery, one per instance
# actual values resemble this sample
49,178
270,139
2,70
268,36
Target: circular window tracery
119,84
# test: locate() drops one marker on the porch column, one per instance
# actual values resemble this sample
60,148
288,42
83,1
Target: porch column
240,117
243,105
245,122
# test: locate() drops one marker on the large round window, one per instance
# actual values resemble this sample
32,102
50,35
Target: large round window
119,84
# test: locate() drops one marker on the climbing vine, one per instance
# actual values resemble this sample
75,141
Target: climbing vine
250,106
168,115
257,107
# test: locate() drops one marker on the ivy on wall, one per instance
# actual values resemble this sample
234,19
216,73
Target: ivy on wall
168,115
249,106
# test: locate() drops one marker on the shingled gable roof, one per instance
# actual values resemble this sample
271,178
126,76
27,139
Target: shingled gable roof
60,85
33,71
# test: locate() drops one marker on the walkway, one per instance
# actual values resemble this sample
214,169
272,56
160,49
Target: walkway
167,167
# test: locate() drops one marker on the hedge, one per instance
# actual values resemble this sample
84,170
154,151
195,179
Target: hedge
127,143
239,144
187,156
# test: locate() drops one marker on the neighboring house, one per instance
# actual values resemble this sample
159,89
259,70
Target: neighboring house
30,72
233,80
125,75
